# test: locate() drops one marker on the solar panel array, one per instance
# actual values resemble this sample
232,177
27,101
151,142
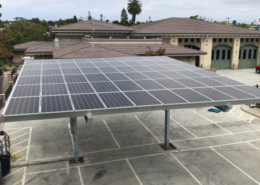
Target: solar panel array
70,85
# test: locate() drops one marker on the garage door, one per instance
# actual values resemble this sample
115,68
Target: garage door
247,57
221,57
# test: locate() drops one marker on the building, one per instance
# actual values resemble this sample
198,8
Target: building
210,45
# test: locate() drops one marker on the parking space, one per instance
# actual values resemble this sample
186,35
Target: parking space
212,148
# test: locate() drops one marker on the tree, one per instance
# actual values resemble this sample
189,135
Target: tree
26,32
124,16
101,17
45,24
75,19
234,23
51,23
134,7
224,22
194,17
36,20
6,47
242,25
20,19
115,22
89,15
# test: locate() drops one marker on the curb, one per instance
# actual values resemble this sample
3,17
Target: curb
253,112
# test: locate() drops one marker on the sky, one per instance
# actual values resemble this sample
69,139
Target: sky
241,10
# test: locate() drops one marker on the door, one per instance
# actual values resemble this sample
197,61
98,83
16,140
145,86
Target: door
247,57
221,57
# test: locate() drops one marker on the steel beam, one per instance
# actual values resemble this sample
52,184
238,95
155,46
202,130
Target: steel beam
167,129
74,131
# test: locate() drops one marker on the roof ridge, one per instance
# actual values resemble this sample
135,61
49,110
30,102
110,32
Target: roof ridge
87,45
36,47
114,50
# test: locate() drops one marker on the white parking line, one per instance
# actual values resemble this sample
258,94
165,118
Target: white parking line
148,129
80,176
12,173
253,145
184,127
116,160
111,134
136,176
252,117
20,158
231,110
220,135
19,143
16,131
186,169
241,115
212,122
235,165
207,147
20,136
20,150
246,121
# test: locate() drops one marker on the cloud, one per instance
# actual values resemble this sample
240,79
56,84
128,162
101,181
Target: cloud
239,10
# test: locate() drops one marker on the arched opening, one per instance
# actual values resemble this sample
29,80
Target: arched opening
197,62
247,57
221,57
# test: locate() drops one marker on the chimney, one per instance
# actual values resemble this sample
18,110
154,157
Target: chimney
56,42
107,20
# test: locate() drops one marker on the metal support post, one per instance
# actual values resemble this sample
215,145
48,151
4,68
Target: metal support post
74,131
167,129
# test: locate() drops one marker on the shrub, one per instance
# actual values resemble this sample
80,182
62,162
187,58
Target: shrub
159,52
5,67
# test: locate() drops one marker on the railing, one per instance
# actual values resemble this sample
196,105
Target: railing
8,91
13,72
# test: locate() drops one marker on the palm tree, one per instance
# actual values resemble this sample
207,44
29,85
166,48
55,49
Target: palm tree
134,7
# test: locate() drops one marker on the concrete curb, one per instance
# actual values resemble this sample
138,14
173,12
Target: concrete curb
253,111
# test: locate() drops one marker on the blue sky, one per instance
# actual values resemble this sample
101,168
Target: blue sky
240,10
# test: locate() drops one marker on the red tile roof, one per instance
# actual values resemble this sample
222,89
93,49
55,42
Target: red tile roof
189,26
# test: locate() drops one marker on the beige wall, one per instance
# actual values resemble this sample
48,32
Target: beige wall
206,46
235,53
174,41
18,56
189,60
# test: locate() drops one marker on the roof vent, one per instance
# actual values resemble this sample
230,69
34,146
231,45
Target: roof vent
56,42
107,20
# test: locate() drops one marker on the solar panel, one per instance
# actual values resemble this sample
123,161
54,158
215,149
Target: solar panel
70,87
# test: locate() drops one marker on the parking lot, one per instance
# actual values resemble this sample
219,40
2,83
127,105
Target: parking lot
212,148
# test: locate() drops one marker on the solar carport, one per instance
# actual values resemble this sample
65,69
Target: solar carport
71,88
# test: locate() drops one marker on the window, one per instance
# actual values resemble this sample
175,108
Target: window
255,54
180,40
241,40
229,54
250,54
244,54
218,52
214,40
239,54
219,40
186,40
213,53
225,40
191,40
247,40
223,54
230,40
198,40
252,40
257,40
